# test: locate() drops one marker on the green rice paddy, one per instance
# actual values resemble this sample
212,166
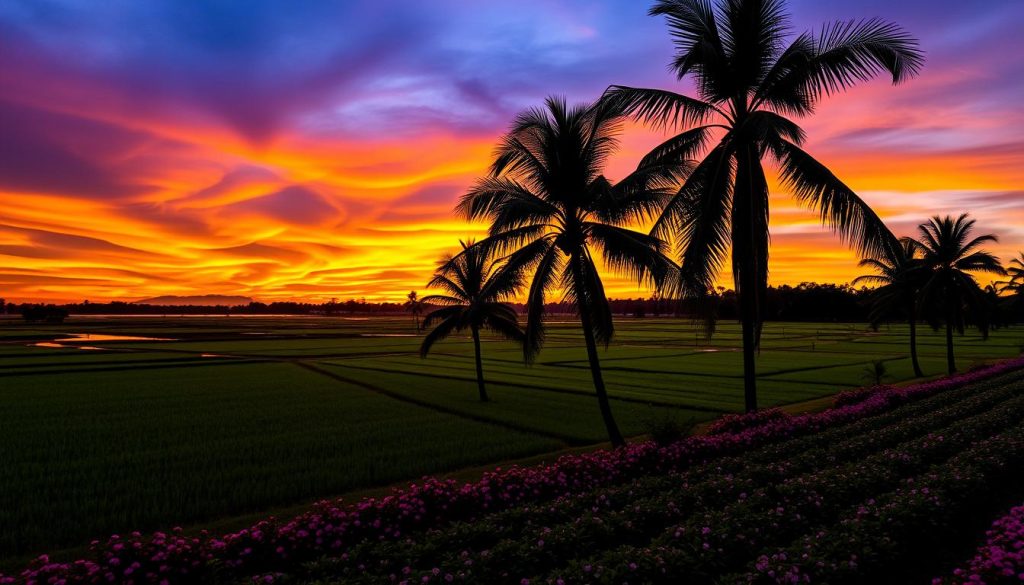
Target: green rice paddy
239,415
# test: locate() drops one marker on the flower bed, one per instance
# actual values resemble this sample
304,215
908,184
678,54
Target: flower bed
1000,560
333,529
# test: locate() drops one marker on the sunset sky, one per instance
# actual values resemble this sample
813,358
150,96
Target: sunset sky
315,149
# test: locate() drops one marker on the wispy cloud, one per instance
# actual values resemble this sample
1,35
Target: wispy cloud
316,150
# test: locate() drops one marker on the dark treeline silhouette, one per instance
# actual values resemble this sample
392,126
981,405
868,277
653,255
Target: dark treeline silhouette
805,302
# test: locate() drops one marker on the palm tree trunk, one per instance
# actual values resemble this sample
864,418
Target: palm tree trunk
595,364
595,370
747,243
749,363
479,365
913,341
950,361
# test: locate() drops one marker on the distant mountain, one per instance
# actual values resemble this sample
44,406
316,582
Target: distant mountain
201,300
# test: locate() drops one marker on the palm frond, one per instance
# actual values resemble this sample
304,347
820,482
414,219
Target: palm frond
659,108
637,255
840,208
698,216
547,269
842,55
449,318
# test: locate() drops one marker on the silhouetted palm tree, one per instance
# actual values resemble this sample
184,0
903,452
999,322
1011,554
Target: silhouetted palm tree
1015,270
415,306
901,277
475,291
951,256
1014,287
749,81
550,207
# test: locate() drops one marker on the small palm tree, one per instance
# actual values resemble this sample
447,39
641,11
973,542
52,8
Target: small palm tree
550,209
751,80
475,290
900,277
415,306
876,373
1013,287
951,255
1015,270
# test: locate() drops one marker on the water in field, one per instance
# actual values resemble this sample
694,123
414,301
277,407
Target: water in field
71,340
61,345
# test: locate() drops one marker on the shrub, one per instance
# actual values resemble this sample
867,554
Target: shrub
665,426
736,423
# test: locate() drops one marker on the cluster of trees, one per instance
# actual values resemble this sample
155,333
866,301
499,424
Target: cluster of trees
931,278
44,314
551,210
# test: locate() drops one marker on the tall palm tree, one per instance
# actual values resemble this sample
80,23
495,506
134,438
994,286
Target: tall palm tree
550,208
951,255
474,293
900,277
750,82
414,305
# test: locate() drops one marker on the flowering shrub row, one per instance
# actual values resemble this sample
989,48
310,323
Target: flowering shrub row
332,529
720,536
848,397
530,540
1000,560
872,542
736,423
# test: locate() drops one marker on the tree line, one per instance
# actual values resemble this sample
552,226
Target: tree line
552,212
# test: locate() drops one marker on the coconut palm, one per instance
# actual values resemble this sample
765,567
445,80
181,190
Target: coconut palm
414,305
550,209
951,256
474,293
1015,270
1014,288
750,84
900,277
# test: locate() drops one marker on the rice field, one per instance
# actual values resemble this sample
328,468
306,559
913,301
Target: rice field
226,416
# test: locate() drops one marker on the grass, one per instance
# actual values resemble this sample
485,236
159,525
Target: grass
147,435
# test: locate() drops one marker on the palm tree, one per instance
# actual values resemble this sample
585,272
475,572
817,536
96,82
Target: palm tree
951,256
901,277
415,306
1013,285
550,208
750,82
475,290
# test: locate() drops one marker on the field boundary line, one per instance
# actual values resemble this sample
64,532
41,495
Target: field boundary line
565,439
553,389
196,364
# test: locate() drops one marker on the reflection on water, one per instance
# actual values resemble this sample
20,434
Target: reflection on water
103,337
73,339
